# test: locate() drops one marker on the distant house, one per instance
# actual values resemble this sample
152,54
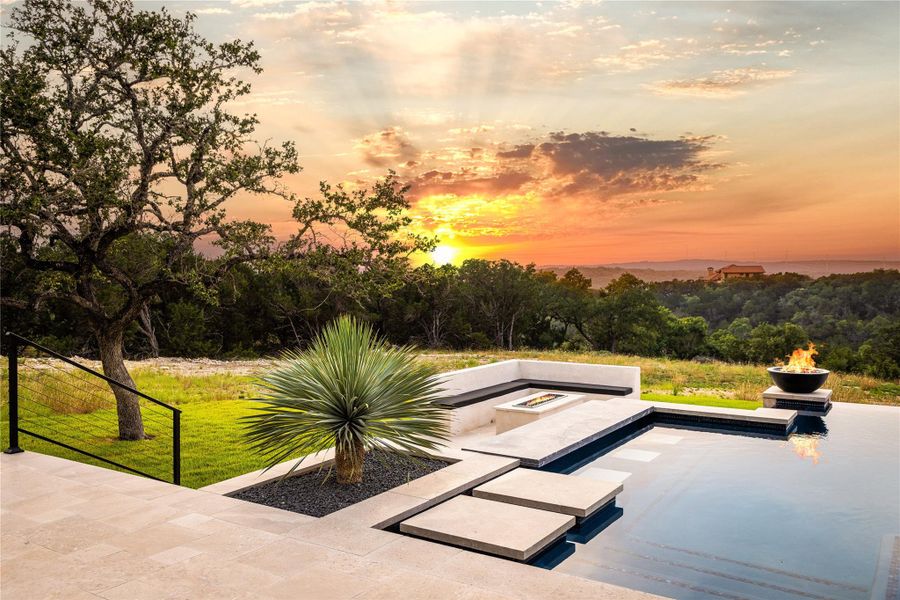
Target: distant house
734,272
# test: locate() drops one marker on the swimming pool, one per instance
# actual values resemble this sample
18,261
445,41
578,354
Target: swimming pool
717,515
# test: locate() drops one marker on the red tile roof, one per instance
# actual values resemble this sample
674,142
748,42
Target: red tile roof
743,269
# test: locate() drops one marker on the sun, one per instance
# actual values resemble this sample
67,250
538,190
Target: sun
444,255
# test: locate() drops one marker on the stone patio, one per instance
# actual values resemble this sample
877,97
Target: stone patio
73,531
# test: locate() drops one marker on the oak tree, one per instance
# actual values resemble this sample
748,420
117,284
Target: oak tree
116,131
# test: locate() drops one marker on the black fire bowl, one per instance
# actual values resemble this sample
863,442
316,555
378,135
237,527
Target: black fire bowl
798,383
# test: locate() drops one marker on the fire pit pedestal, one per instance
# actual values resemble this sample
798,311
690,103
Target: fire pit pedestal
817,403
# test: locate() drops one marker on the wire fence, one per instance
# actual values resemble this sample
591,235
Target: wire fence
52,399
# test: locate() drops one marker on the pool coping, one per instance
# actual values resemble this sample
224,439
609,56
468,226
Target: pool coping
569,430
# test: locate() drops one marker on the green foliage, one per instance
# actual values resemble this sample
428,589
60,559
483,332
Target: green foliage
118,153
685,337
500,296
349,390
283,301
880,356
771,343
703,400
186,332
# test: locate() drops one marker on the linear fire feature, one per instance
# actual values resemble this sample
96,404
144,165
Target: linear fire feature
522,411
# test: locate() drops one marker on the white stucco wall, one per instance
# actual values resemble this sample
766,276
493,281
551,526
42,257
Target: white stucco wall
473,416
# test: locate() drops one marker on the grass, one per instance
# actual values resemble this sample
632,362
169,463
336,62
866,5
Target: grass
213,445
212,441
721,402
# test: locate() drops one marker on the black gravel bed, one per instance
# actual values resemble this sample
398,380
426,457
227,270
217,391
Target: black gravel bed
318,493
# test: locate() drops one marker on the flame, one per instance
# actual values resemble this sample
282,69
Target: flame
802,361
806,447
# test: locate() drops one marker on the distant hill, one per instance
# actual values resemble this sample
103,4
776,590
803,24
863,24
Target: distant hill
601,275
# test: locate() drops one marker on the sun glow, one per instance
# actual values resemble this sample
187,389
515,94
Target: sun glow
444,254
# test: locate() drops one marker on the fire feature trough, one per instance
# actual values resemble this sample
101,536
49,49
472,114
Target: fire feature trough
522,411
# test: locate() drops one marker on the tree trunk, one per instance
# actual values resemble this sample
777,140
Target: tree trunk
349,464
128,408
145,321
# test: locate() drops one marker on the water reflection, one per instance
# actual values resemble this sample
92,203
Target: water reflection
805,440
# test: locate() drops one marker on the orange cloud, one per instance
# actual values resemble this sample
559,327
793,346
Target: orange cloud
389,147
597,165
721,84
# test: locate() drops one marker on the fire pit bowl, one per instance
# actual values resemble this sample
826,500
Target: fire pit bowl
798,382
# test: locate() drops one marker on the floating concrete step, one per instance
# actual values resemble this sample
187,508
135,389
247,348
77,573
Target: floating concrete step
542,442
497,528
566,494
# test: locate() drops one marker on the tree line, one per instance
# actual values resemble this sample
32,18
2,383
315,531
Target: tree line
262,308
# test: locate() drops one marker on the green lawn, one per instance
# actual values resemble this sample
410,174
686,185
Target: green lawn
704,400
212,443
213,447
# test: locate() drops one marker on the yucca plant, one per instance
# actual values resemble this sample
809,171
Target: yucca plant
352,391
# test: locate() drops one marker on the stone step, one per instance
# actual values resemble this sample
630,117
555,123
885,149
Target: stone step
540,443
497,528
566,494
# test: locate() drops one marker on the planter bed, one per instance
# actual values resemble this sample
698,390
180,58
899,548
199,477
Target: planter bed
318,493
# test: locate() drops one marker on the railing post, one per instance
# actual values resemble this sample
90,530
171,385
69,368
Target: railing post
176,447
12,346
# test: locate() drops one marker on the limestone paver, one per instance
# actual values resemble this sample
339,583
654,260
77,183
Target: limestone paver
821,395
389,508
497,528
262,517
382,511
340,535
175,555
451,480
415,553
231,541
139,518
528,583
320,582
175,543
419,585
71,534
773,416
287,555
255,478
576,496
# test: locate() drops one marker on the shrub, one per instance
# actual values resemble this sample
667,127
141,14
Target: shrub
351,391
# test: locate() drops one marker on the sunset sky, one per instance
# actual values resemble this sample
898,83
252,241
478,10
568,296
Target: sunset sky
585,132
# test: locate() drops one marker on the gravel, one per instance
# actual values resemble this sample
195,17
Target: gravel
318,493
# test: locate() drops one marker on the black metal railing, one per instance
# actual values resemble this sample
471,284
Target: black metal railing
56,400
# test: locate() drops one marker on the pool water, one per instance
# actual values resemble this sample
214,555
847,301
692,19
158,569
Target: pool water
716,515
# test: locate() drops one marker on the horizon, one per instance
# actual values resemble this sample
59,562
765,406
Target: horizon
582,133
717,261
